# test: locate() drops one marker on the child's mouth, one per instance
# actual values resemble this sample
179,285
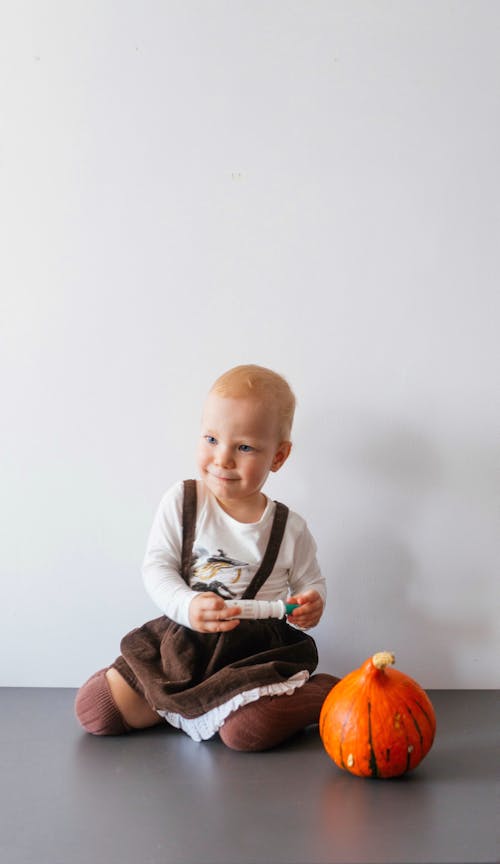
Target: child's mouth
222,477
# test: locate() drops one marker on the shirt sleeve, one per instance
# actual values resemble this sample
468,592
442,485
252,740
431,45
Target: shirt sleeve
305,574
161,569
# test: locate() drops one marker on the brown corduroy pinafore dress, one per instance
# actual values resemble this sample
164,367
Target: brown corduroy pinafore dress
185,672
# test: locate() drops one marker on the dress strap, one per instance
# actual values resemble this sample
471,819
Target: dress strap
271,553
188,527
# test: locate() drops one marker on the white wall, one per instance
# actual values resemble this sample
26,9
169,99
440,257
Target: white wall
306,184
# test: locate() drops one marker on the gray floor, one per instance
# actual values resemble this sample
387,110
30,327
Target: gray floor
158,798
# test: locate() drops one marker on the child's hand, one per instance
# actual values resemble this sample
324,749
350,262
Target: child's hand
309,611
208,614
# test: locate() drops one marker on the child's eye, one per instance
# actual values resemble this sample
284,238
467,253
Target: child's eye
245,448
210,439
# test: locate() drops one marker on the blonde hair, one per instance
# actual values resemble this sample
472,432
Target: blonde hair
262,384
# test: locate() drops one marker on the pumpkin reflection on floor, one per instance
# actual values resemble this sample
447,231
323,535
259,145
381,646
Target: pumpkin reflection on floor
353,817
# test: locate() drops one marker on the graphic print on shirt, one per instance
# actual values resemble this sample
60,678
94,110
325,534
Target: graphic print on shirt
215,572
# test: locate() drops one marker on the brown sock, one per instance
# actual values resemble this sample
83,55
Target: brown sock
96,710
272,719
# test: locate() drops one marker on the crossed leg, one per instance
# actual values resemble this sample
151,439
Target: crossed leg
107,705
271,720
133,707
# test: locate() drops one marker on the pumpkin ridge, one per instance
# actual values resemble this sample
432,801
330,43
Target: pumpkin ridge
425,713
409,745
417,727
345,686
373,759
348,712
341,754
345,725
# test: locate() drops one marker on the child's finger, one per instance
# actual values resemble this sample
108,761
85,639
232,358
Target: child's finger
215,601
211,602
302,610
303,599
218,612
218,622
306,615
297,598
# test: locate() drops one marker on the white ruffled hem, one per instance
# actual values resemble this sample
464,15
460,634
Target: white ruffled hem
204,727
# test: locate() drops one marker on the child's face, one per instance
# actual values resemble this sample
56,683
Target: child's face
239,446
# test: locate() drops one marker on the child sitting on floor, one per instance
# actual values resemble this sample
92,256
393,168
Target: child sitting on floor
199,666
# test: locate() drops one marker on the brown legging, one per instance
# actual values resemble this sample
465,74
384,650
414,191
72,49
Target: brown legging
259,725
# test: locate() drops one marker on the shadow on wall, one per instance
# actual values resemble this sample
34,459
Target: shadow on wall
376,610
380,596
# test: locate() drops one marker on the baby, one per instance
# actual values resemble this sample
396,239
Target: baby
199,666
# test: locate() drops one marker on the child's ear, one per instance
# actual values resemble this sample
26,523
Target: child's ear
281,455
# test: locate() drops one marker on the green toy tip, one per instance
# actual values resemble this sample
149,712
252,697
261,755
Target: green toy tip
290,607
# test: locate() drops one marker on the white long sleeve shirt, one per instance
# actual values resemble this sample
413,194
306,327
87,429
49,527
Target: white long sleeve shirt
226,555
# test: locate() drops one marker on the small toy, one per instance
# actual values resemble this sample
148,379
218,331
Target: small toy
255,609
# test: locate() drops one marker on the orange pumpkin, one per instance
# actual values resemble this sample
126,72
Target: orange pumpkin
377,722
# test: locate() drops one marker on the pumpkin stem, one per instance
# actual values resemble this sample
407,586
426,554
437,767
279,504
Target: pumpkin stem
383,659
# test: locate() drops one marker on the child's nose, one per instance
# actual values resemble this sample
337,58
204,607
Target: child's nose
224,457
